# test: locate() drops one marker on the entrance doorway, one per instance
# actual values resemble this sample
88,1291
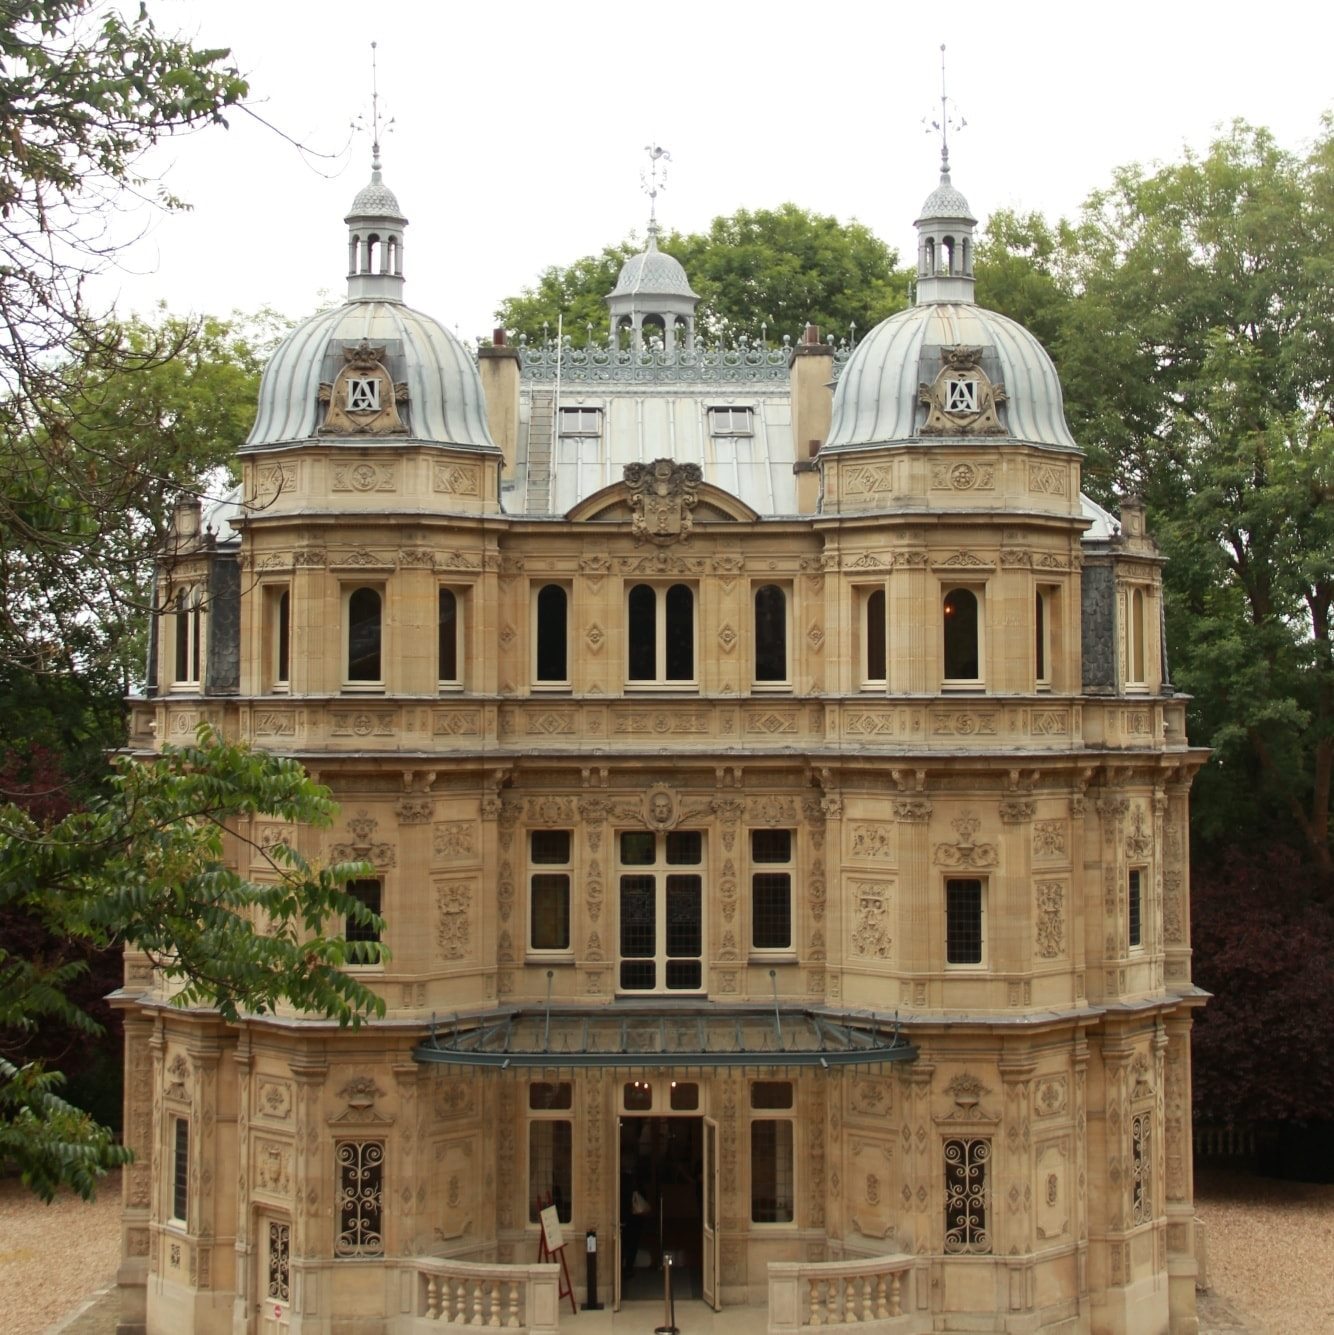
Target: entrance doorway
662,1183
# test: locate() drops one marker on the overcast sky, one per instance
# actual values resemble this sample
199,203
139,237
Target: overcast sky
520,126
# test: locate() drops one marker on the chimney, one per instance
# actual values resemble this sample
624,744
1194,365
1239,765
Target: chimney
498,366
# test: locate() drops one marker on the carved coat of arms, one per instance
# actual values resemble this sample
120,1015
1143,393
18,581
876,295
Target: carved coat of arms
662,495
961,400
363,399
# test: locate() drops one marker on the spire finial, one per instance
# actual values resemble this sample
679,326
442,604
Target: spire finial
653,178
359,125
946,123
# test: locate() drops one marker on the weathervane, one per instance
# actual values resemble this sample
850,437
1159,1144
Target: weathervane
360,123
946,123
653,178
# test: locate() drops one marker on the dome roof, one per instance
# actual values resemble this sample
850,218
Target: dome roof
876,401
945,201
651,273
444,392
375,199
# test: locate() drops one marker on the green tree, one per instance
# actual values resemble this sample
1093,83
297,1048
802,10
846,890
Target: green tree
147,866
756,270
1188,310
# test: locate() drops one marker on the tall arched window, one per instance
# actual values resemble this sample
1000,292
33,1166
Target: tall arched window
771,634
660,625
552,647
363,635
874,655
282,638
447,624
962,659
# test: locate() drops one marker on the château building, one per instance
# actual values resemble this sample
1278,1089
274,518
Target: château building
777,804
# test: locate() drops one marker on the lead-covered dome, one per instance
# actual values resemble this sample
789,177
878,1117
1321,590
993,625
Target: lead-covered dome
440,401
878,400
651,273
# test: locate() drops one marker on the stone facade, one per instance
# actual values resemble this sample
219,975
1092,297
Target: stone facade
663,762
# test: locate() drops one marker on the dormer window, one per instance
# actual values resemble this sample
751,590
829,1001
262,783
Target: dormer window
961,396
731,421
581,421
363,394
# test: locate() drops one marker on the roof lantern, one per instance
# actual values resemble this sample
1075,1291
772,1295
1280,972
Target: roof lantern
652,296
945,225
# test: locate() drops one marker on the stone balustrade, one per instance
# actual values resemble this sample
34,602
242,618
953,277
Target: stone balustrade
470,1293
870,1290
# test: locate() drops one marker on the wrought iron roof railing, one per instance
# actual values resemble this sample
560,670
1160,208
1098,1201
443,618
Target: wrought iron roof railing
594,363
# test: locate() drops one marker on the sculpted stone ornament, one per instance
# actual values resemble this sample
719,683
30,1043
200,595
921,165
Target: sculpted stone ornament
363,400
662,495
962,401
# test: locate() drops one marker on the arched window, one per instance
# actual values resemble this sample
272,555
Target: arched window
552,651
962,661
447,624
947,254
372,252
930,255
660,624
874,657
770,634
363,635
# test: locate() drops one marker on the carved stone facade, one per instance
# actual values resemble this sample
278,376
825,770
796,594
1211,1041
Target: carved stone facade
647,757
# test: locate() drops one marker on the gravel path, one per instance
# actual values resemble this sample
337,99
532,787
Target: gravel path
1271,1257
53,1256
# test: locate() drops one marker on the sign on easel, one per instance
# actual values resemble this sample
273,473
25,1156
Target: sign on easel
551,1247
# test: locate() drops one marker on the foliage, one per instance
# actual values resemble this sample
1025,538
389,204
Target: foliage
1264,942
146,866
756,270
1189,312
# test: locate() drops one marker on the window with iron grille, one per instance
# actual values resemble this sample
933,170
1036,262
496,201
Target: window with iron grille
360,1197
280,1247
966,1161
1141,1132
771,889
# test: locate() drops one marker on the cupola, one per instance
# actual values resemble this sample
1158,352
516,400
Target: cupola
375,226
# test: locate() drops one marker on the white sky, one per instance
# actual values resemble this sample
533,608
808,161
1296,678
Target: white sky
520,126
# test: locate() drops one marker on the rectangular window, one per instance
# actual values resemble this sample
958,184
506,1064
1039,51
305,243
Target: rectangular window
581,421
1042,628
278,635
874,638
731,421
549,888
449,633
966,1169
1134,908
368,892
550,1166
771,889
1135,603
963,921
188,637
360,1179
661,911
180,1169
771,1171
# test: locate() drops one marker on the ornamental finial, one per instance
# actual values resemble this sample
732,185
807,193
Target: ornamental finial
948,121
654,178
375,127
